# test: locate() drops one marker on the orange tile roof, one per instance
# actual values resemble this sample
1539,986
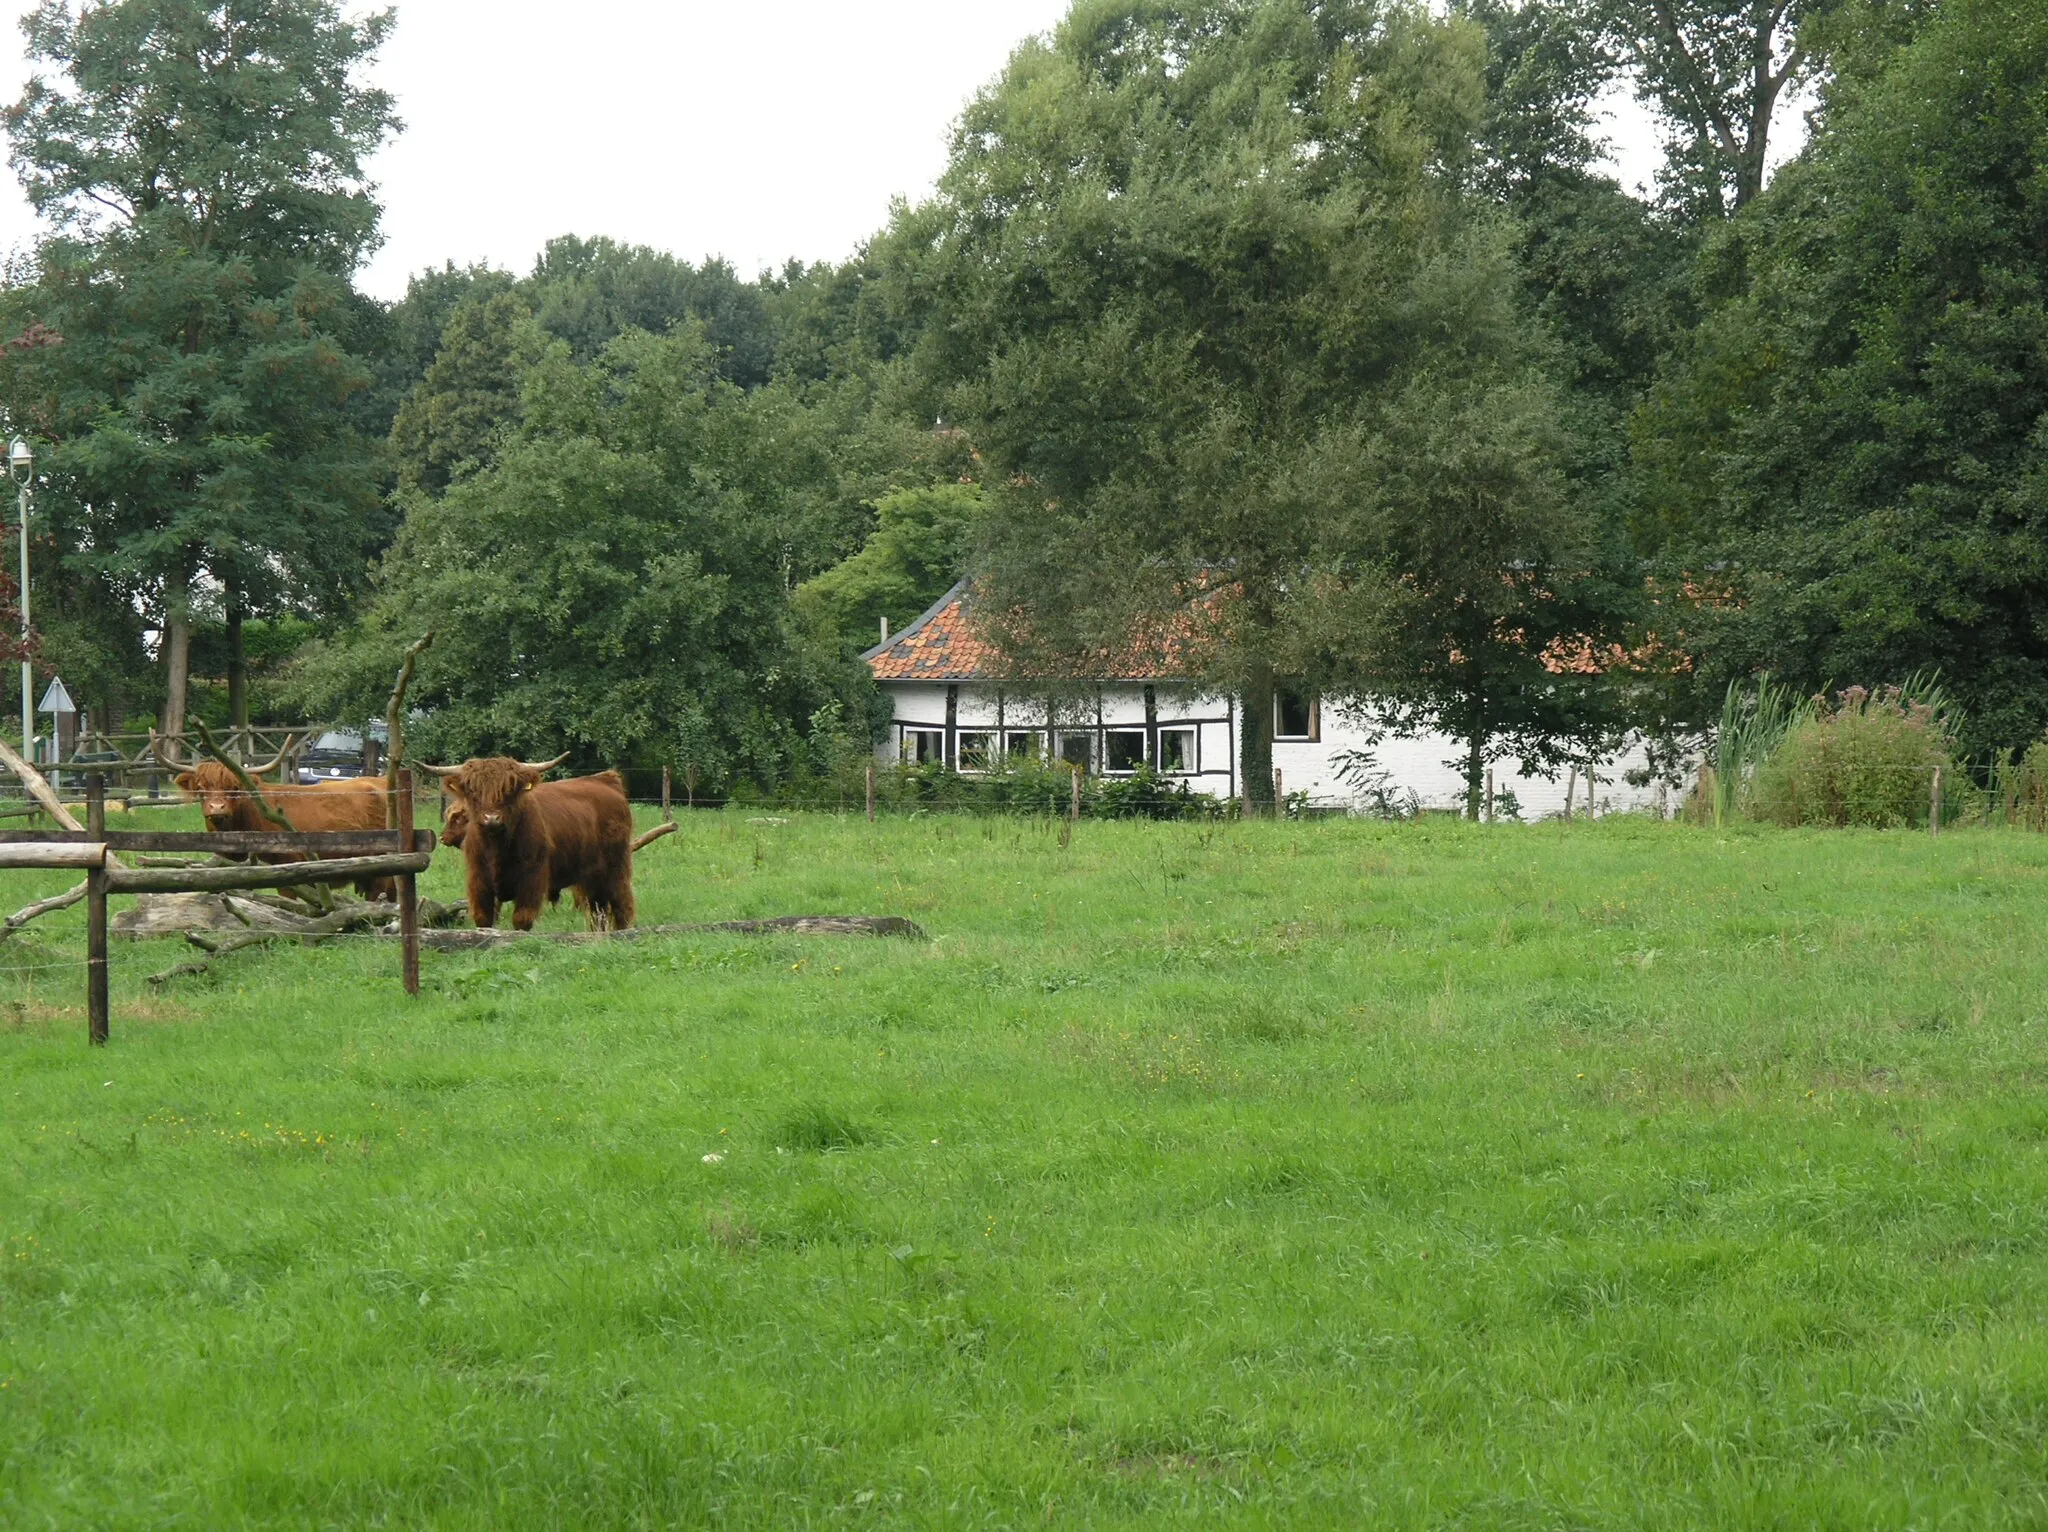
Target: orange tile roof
946,644
940,646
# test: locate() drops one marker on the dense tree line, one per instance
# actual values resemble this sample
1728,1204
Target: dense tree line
1325,316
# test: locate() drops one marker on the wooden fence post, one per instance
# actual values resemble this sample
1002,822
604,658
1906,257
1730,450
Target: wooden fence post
1489,795
667,783
1571,791
96,915
1934,805
871,792
408,885
1279,796
1074,804
1591,782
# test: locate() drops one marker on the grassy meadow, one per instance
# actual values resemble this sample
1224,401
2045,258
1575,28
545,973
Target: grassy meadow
1323,1174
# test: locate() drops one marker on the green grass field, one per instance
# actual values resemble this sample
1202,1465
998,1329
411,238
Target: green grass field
1330,1174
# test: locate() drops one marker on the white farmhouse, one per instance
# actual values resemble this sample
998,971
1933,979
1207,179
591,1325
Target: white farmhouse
951,705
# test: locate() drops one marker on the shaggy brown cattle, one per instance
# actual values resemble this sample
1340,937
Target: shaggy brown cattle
527,841
455,826
344,805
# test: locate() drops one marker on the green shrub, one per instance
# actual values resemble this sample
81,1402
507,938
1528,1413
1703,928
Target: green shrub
1867,760
1022,787
2020,786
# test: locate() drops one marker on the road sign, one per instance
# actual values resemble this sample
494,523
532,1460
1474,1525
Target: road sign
56,699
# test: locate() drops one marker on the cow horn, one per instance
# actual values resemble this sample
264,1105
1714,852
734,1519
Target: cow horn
546,765
439,771
273,763
156,748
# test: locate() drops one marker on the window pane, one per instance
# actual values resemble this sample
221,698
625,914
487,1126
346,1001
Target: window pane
1294,713
1078,750
1177,750
1024,744
977,750
1126,749
921,747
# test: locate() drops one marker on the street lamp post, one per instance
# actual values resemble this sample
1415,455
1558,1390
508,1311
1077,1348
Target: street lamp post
21,462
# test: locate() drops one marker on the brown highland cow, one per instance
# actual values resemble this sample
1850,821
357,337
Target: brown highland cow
525,841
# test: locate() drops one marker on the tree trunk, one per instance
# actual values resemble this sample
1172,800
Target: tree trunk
238,663
1475,770
1255,738
177,649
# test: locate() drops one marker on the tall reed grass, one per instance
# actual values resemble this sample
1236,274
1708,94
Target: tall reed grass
1754,722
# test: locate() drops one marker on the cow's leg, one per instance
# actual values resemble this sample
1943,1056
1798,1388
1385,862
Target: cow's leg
483,897
528,897
611,895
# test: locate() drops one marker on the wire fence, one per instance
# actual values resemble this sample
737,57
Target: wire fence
1972,792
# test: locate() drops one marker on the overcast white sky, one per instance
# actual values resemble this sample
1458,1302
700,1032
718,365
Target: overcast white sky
705,127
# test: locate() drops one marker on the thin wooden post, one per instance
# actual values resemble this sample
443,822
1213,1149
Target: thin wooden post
1074,803
1279,796
1592,781
1571,791
408,884
667,783
96,916
1934,805
1489,795
871,792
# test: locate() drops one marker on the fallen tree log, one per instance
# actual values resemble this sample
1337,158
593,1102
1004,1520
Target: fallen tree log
795,925
254,925
23,916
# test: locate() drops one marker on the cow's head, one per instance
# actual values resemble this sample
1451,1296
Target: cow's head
217,790
490,790
455,823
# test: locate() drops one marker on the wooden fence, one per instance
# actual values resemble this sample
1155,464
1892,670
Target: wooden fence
402,853
127,759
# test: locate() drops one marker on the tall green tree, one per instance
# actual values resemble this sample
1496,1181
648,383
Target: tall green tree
1851,450
614,581
452,420
202,164
586,291
1718,73
915,554
1194,280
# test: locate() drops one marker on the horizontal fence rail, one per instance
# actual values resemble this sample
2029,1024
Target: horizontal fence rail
231,842
299,859
195,880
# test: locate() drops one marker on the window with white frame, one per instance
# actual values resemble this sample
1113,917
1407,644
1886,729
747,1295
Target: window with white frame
1123,750
977,750
1177,752
1078,749
1023,744
924,747
1297,713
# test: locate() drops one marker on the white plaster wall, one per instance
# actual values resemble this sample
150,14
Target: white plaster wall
1425,764
1420,763
919,703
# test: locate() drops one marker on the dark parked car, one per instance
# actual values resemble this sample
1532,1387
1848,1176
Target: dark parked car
338,753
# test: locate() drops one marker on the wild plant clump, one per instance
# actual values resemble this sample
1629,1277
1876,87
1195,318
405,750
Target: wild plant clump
2019,786
1868,760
